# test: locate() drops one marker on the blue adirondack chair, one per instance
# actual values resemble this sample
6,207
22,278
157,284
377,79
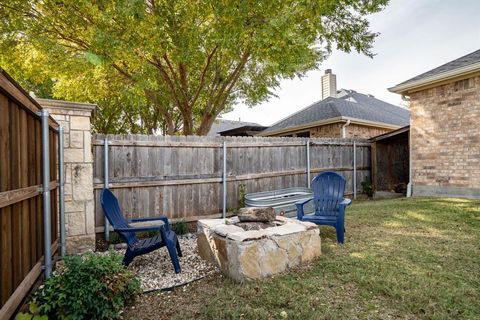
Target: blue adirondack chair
136,247
328,191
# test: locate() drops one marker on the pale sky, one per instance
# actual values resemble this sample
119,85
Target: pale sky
415,36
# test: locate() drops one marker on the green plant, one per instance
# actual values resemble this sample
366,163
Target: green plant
87,287
232,211
115,238
32,313
242,194
367,188
180,227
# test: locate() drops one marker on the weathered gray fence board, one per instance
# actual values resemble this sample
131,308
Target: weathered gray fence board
181,177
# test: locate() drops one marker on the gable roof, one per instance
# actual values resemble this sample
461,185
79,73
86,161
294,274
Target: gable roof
249,130
391,135
349,104
223,125
463,65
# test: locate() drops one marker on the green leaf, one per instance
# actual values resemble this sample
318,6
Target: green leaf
93,58
23,316
32,307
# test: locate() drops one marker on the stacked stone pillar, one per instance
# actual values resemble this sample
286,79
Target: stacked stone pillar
79,201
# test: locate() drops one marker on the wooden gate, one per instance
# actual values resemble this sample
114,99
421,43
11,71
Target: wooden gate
21,212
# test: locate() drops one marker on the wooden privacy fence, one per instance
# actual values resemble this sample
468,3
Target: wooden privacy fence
181,177
21,206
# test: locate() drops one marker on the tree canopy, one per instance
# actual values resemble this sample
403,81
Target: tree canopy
174,66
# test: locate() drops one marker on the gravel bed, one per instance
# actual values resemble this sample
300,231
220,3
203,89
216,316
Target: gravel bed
155,269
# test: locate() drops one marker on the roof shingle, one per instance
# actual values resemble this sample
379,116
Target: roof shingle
351,104
466,60
222,125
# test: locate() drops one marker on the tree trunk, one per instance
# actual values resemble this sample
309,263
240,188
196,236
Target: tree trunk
205,125
163,110
169,126
187,118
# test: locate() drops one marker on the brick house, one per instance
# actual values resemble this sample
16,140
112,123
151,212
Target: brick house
341,114
445,129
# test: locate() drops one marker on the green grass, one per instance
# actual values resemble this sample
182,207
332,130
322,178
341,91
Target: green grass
403,259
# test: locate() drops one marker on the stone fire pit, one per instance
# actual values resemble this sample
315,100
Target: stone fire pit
251,247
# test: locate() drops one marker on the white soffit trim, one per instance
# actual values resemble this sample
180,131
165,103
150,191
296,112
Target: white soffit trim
402,88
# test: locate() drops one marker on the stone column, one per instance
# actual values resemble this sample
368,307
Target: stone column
79,201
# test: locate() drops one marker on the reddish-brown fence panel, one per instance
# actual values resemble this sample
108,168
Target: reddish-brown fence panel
21,212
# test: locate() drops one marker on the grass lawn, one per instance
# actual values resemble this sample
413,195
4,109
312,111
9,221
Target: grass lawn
403,259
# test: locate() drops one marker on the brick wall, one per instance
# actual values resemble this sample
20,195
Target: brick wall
445,138
334,130
352,131
365,132
327,131
79,203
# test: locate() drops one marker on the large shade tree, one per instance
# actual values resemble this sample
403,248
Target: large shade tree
186,61
121,107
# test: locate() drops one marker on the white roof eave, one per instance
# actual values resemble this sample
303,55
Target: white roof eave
403,88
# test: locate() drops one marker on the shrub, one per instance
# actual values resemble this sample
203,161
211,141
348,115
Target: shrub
367,188
115,238
242,195
180,227
87,287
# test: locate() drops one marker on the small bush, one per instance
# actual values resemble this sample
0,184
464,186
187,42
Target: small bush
367,188
242,195
180,227
115,238
87,287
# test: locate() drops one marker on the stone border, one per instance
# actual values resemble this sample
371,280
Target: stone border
245,255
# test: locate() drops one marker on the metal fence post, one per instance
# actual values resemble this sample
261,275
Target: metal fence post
224,180
47,236
105,168
409,185
61,194
354,170
308,163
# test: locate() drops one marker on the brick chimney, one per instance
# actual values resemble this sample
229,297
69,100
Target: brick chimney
329,84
